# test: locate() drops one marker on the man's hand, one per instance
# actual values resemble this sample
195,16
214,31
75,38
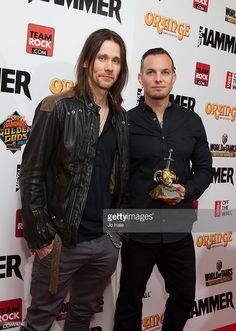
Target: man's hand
43,252
181,190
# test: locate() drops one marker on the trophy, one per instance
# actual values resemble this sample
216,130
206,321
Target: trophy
165,178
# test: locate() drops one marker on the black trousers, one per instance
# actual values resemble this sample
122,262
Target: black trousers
176,263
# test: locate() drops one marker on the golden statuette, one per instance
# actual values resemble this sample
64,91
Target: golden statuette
164,179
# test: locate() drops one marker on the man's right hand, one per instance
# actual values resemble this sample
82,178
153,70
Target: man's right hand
44,251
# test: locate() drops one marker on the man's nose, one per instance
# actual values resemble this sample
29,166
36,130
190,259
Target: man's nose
158,77
109,65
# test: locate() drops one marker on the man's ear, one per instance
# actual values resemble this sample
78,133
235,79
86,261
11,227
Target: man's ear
174,78
140,79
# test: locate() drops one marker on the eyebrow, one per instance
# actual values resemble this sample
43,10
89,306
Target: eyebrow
106,55
150,68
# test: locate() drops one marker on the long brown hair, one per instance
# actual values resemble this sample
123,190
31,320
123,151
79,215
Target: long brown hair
88,56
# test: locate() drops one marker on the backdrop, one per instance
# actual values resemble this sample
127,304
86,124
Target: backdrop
40,42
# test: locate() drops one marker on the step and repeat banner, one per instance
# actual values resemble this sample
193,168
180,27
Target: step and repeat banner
40,43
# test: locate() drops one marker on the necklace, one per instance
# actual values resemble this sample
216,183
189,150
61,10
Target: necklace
103,118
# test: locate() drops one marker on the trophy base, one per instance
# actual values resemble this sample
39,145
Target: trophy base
165,193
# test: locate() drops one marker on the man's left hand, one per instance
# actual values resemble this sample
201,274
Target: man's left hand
181,190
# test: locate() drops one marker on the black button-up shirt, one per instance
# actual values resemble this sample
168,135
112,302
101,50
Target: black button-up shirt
184,133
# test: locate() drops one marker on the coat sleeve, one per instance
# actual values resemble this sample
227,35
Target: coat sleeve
35,161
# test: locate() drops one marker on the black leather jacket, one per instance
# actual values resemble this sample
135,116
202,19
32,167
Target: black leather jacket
57,165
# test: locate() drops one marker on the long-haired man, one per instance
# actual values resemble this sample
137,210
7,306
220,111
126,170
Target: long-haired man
74,166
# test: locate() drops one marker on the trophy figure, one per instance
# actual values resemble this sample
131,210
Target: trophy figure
165,178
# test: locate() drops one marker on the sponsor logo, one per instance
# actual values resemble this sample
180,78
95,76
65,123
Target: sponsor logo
219,276
184,101
230,82
223,150
230,15
213,240
14,81
14,132
17,177
166,25
222,112
222,208
153,321
19,224
10,264
211,304
202,73
110,8
217,40
222,175
10,314
60,85
201,5
40,40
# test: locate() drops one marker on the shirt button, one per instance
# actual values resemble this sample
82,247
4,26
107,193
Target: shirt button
163,138
154,119
61,221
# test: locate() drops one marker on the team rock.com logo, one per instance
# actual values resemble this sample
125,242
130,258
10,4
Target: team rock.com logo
10,314
202,74
40,40
19,224
201,5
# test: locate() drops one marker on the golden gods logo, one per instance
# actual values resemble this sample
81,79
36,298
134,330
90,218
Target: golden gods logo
167,25
214,240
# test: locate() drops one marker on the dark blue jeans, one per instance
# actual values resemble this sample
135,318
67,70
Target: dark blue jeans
176,263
